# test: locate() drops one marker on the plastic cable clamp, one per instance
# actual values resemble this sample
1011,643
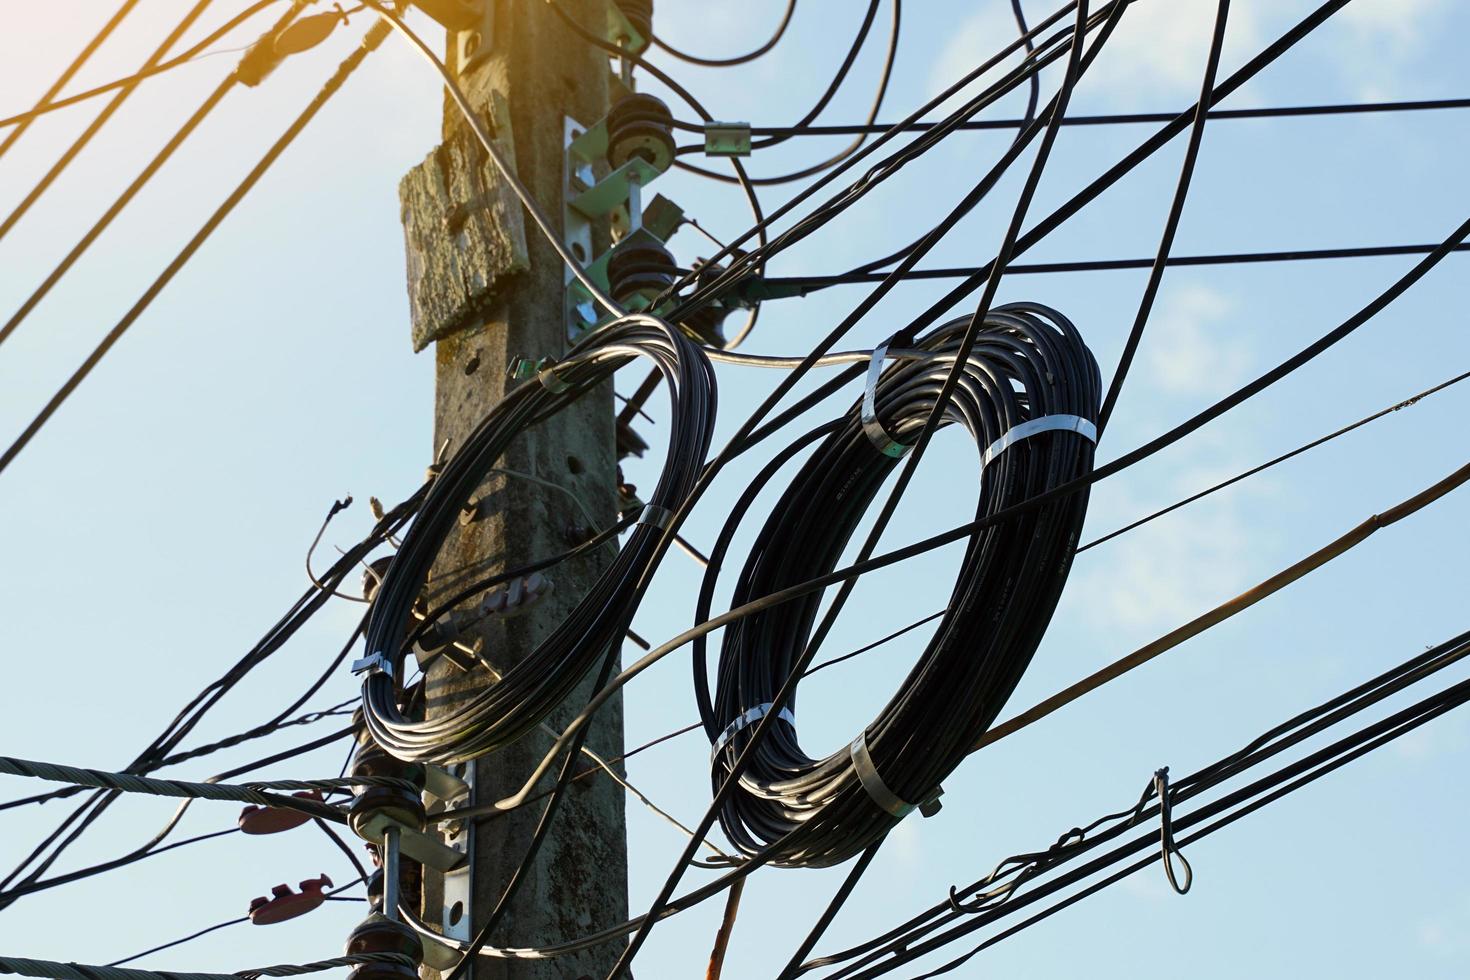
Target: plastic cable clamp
1046,423
749,717
376,663
659,517
886,444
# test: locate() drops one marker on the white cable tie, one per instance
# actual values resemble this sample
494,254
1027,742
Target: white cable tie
886,444
748,718
377,663
659,517
1046,423
872,783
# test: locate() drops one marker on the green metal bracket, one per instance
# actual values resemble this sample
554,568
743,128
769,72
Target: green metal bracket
727,139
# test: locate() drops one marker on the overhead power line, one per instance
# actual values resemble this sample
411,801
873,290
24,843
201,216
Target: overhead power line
24,120
70,153
1096,119
195,52
371,40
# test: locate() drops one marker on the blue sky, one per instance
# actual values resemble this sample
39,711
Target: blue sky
157,526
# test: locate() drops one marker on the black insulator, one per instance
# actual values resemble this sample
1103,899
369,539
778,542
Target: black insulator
640,126
640,15
377,934
640,271
401,805
705,324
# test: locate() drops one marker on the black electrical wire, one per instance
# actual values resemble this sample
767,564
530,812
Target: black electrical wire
1051,49
1171,223
875,107
374,37
196,709
257,732
780,287
50,103
24,120
998,893
1262,467
210,103
741,59
1076,64
1074,204
92,128
772,600
216,927
1120,118
151,846
1027,364
1033,96
924,620
540,681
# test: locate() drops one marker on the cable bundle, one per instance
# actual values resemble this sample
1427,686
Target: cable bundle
594,629
1028,363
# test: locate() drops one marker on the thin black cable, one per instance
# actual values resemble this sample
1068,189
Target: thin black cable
875,107
741,59
729,782
170,146
371,40
1274,461
196,51
34,883
1122,118
796,286
85,137
24,120
1171,224
1019,869
216,927
195,710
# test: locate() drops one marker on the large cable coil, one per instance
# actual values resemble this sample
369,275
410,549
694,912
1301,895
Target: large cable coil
1028,395
593,630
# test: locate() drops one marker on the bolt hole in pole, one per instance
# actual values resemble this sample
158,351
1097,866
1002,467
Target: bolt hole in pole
574,465
456,912
473,364
579,251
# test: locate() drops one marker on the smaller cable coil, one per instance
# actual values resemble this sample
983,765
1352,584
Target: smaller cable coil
528,692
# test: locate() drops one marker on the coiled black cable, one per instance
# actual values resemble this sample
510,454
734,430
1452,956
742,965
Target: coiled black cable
1028,362
534,686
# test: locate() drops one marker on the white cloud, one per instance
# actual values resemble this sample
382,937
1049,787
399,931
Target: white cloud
1156,57
1187,347
1402,22
1166,573
977,38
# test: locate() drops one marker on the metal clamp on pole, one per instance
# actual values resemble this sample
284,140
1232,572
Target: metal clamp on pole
885,443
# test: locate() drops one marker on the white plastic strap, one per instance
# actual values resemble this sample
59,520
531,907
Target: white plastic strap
748,718
887,445
659,517
872,783
1046,423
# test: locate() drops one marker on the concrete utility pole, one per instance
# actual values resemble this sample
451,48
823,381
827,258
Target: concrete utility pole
485,289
